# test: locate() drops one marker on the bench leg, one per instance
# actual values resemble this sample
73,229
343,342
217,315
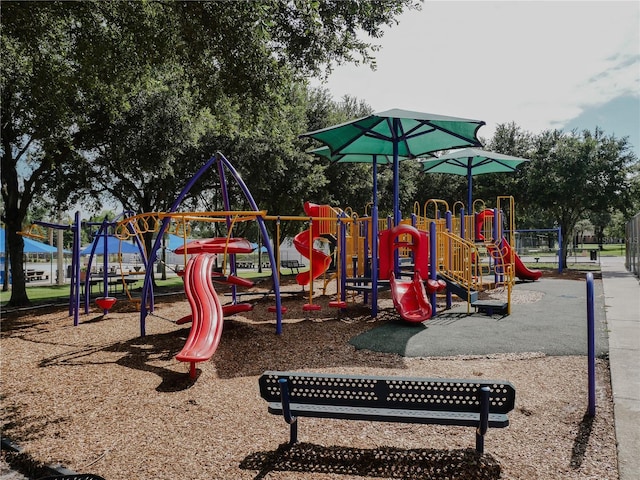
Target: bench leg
286,411
484,418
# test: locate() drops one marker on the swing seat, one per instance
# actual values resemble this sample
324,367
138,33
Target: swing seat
105,303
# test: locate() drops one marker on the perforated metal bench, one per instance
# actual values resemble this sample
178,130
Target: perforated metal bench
291,265
469,403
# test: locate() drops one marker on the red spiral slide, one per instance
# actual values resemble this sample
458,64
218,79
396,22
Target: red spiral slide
206,313
320,261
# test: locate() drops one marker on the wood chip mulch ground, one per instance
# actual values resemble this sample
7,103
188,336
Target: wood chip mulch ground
98,398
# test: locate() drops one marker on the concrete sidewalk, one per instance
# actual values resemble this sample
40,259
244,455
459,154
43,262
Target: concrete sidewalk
622,307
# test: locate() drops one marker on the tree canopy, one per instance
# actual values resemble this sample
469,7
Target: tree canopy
72,72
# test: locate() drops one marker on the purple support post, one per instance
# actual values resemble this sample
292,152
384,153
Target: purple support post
105,263
497,242
560,259
414,221
433,271
591,348
363,232
374,242
374,261
75,270
342,229
449,223
227,206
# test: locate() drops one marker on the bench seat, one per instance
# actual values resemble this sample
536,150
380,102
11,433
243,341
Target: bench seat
477,403
464,419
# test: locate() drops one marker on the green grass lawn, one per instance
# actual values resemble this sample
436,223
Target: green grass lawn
55,293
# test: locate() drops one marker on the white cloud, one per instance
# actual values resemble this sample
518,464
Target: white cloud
538,64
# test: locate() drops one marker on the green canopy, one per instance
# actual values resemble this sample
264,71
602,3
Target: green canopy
354,157
398,133
469,162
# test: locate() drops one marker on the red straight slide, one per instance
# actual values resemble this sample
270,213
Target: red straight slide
206,313
522,272
410,298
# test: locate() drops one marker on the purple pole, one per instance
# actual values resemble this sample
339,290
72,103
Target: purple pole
449,221
342,228
559,250
591,350
497,242
432,264
374,242
75,270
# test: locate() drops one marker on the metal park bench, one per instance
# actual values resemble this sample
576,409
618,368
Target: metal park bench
471,403
292,265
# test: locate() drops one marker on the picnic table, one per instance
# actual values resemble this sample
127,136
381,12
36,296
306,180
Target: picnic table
31,275
113,281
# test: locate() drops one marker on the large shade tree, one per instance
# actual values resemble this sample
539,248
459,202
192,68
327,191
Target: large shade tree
578,173
71,69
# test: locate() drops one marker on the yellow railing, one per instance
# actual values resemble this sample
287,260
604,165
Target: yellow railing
457,260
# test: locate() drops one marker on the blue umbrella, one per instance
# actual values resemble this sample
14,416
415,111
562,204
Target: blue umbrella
114,245
174,241
30,246
263,249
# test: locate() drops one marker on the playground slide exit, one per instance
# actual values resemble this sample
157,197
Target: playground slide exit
320,261
410,298
522,272
206,313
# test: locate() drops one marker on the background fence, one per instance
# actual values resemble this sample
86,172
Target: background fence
633,245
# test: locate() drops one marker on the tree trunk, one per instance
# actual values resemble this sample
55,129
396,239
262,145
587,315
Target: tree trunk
15,248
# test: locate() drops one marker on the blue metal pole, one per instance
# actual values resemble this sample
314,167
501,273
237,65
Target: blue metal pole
374,242
433,272
496,242
469,184
396,192
342,228
591,350
75,267
396,172
559,250
449,220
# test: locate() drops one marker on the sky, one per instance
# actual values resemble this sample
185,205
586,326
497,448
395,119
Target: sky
540,64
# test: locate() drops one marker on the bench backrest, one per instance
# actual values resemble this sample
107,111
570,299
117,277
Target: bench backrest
388,392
